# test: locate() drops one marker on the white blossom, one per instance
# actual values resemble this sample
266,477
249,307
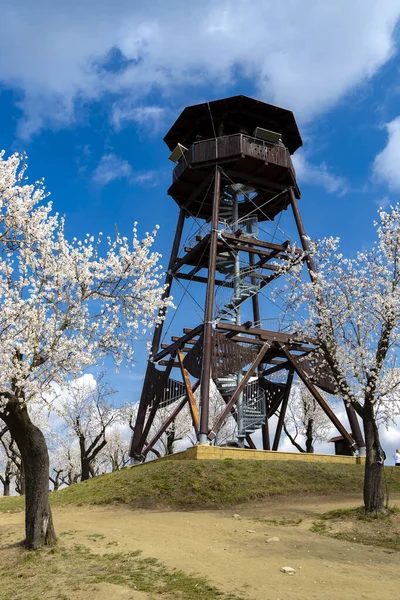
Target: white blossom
65,305
352,307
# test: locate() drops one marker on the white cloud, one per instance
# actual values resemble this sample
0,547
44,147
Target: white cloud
150,118
146,178
318,175
59,55
386,167
111,167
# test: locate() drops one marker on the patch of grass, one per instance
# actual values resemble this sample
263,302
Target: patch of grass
342,513
71,532
318,527
27,575
353,525
12,504
356,513
279,522
192,484
95,536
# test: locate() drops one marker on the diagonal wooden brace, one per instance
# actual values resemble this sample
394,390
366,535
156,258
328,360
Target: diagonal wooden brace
192,402
213,432
167,422
318,397
178,344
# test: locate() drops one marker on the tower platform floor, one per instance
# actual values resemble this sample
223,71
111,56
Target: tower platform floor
223,453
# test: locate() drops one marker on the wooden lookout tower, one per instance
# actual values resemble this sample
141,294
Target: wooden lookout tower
233,176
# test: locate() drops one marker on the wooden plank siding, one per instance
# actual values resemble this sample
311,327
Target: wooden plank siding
231,146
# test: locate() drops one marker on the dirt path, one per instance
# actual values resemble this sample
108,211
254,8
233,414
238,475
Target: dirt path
220,547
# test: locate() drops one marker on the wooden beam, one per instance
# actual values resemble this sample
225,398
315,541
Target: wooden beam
250,442
254,242
282,365
262,261
319,398
181,342
176,338
164,363
164,426
258,251
266,334
183,261
184,349
199,279
192,402
237,392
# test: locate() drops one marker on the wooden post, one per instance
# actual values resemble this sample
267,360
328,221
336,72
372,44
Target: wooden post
136,445
265,434
208,316
302,234
282,414
351,413
168,279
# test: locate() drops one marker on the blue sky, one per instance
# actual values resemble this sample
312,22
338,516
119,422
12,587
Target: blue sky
88,89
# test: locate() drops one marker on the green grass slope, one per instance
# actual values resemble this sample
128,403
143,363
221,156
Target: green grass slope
210,484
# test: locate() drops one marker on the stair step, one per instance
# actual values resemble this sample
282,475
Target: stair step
253,415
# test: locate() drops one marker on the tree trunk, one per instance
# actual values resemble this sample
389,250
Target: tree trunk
39,527
85,464
85,469
6,487
292,439
373,488
6,480
309,436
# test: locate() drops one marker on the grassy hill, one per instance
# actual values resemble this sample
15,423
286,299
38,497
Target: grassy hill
210,484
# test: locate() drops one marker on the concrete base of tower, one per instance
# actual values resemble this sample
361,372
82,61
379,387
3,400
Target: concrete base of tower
207,452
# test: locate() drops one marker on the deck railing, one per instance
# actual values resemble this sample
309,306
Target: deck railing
230,146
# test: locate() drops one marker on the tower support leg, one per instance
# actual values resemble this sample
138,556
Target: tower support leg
265,435
351,413
208,316
137,438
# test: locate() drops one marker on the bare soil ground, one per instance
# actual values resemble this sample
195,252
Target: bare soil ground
232,553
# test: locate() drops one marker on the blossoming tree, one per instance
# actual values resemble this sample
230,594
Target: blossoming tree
64,306
88,413
352,305
305,418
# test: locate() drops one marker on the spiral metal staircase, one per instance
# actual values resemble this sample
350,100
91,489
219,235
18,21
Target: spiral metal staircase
240,284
